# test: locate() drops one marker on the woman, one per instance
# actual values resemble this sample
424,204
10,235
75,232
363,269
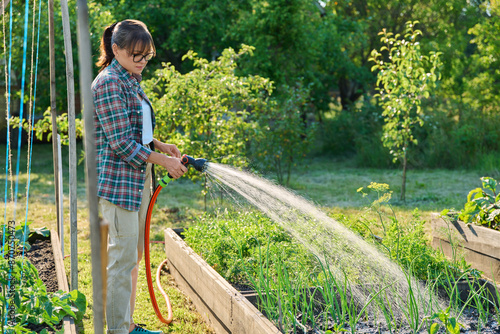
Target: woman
124,123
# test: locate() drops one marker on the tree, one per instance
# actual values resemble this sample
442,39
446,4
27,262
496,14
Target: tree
210,111
483,86
283,138
405,76
444,26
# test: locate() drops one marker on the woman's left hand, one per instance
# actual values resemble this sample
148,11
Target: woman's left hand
169,149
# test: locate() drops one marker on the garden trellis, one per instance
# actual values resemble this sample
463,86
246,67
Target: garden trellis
13,185
8,164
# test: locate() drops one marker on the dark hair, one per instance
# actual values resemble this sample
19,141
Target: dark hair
127,35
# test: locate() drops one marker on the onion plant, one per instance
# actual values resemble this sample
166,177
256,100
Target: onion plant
300,292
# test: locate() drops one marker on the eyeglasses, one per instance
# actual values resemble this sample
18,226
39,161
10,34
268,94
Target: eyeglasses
137,58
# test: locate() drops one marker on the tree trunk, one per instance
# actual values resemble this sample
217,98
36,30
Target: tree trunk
350,91
403,185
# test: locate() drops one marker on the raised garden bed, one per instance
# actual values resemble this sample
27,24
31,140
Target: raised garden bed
231,311
481,245
221,305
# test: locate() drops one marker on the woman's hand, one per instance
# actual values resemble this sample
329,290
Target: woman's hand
169,149
173,165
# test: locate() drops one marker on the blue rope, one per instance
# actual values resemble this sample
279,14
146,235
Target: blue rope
21,109
8,126
33,113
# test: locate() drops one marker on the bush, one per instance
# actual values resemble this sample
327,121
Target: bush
471,141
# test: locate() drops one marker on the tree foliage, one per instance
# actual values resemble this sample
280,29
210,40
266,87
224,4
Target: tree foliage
209,111
405,76
316,53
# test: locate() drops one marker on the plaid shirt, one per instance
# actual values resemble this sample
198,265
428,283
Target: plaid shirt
121,157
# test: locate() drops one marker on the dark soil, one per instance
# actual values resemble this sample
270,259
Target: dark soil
469,321
42,258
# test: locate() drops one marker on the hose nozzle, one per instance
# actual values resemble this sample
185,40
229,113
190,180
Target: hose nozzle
199,164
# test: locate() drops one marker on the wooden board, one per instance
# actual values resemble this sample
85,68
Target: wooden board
62,281
222,306
481,245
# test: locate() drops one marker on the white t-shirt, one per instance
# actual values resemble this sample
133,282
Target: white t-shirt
147,124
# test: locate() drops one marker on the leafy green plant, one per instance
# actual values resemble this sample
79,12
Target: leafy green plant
405,77
215,236
450,324
43,127
283,137
32,303
23,235
482,206
209,112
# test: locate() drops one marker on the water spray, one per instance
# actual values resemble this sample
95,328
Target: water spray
200,165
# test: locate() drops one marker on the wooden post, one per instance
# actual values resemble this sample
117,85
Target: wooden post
4,4
86,76
70,82
53,107
60,207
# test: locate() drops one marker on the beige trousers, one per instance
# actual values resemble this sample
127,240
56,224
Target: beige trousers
125,240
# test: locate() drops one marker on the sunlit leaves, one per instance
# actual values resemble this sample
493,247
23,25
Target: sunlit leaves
405,77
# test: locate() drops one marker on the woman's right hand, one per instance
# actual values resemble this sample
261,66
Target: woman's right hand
173,165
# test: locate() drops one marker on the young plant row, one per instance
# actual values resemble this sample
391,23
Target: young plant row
24,300
301,293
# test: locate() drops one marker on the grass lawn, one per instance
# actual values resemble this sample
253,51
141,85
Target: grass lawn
328,183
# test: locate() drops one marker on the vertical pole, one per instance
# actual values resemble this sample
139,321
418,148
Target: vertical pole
53,106
60,208
4,4
85,60
70,81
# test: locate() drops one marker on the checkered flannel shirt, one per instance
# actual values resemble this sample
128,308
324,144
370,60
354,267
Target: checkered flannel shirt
121,156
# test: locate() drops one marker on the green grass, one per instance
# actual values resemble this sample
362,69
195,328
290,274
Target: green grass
328,183
42,212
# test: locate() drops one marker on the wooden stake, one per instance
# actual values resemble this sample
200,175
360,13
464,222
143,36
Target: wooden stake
70,82
53,108
86,76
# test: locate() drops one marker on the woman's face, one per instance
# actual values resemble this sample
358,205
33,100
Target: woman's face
134,62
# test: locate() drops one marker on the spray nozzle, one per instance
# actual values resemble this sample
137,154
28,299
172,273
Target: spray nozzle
199,164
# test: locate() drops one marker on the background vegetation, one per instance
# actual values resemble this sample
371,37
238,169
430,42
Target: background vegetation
315,55
267,84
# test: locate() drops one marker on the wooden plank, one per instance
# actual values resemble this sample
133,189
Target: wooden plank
481,246
70,82
208,284
488,265
62,282
480,239
222,306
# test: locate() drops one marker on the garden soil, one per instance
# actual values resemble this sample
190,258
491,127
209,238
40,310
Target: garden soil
42,258
469,322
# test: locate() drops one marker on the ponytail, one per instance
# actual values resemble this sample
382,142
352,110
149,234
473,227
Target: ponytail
107,54
126,34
